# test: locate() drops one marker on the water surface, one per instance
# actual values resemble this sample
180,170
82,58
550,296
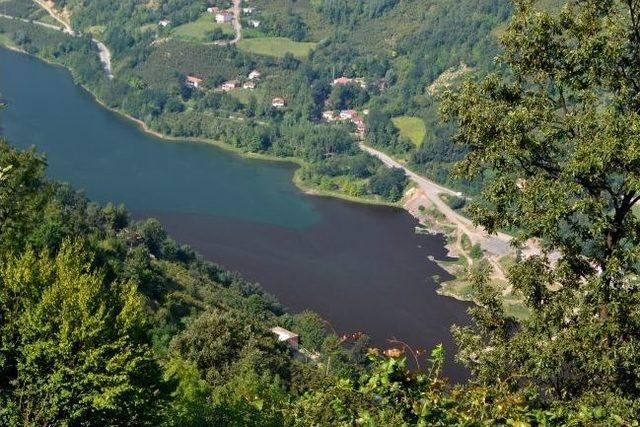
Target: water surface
361,267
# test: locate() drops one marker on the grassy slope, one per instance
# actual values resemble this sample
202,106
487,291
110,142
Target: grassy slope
276,46
411,127
197,30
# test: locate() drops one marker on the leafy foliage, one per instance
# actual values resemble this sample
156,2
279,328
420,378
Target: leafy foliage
560,134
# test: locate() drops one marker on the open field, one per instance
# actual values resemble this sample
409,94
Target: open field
276,46
412,128
197,30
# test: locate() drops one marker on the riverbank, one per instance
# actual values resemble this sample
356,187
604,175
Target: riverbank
457,287
362,267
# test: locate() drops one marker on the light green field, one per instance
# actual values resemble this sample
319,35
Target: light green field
197,30
411,127
276,46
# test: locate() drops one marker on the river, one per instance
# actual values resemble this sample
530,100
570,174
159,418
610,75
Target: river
361,267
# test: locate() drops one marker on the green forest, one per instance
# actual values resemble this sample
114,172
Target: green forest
108,321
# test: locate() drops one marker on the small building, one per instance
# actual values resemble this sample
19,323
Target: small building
229,85
249,85
224,17
213,9
329,115
248,10
348,114
292,339
360,82
254,23
342,80
278,102
361,128
164,23
193,82
254,74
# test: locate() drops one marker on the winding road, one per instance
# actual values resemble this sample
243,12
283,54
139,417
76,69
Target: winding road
103,51
496,244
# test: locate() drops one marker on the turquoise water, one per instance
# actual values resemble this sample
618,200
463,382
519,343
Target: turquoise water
112,160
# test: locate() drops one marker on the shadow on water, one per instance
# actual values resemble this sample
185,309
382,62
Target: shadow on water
361,267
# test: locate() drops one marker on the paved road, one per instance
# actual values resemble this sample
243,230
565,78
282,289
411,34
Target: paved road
103,51
495,244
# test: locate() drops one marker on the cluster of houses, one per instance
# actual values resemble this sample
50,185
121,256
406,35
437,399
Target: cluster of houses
347,115
227,16
250,83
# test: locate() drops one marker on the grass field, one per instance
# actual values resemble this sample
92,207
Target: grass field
276,46
411,127
197,30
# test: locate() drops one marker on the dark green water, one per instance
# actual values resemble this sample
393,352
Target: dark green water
361,267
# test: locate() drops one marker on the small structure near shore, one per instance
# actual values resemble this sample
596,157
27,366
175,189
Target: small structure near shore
284,335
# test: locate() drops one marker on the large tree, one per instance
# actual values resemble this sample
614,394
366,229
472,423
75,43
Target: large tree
559,129
73,345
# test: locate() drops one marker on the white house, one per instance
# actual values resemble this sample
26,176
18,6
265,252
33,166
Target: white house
249,85
254,74
278,102
248,10
224,17
348,114
164,23
254,23
213,9
229,85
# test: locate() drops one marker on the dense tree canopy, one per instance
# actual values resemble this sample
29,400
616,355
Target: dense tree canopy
560,132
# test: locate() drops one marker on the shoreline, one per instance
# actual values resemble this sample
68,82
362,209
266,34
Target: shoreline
143,127
314,192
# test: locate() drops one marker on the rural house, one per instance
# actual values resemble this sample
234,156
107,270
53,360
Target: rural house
254,74
213,9
292,339
278,102
229,85
193,82
164,23
348,114
224,17
329,115
249,85
254,23
342,80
